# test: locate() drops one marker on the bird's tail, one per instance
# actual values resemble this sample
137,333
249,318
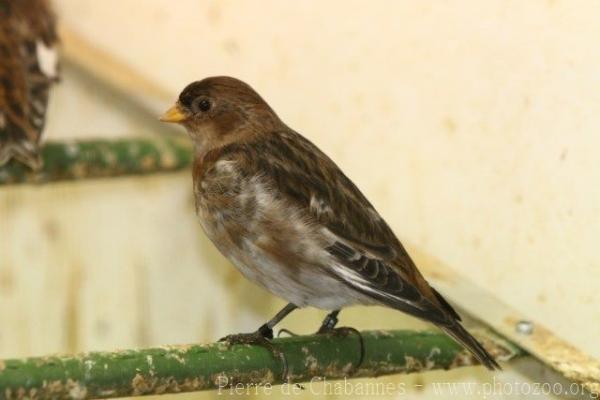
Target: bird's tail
21,150
460,334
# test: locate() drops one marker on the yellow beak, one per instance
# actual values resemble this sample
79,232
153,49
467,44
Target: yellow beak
174,114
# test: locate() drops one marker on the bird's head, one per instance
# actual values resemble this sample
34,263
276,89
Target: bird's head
221,109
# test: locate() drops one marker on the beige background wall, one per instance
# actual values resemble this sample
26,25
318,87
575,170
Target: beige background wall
473,127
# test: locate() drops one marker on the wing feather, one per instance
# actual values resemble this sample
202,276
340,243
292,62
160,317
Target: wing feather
366,253
27,70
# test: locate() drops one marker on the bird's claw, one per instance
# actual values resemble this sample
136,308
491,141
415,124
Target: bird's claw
286,331
328,328
264,333
261,337
344,331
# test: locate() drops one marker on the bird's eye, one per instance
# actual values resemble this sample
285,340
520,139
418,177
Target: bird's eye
203,105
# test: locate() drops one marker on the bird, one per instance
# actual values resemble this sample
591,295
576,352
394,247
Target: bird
291,221
28,67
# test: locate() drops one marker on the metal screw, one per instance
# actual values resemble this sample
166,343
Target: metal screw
524,327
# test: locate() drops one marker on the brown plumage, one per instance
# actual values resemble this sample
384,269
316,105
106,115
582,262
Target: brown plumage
289,219
27,69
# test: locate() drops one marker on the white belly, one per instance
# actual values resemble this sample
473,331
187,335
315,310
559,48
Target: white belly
309,287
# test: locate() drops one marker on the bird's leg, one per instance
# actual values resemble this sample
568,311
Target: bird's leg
329,322
263,335
265,331
328,328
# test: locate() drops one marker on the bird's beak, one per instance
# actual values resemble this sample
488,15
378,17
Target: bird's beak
174,114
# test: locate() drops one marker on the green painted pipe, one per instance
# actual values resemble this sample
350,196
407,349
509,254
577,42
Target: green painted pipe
175,369
103,158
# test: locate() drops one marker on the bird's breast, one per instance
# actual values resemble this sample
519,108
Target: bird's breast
272,242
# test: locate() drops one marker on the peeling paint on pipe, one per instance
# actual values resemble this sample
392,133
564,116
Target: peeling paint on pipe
176,369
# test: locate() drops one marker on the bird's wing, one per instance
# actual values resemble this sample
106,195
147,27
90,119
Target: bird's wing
367,255
27,69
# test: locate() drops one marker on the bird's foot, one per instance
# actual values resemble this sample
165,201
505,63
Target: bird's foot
328,328
343,331
261,337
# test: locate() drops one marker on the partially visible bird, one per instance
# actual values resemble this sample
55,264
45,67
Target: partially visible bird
28,66
290,220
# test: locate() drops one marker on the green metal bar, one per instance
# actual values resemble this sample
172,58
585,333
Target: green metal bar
177,369
103,158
